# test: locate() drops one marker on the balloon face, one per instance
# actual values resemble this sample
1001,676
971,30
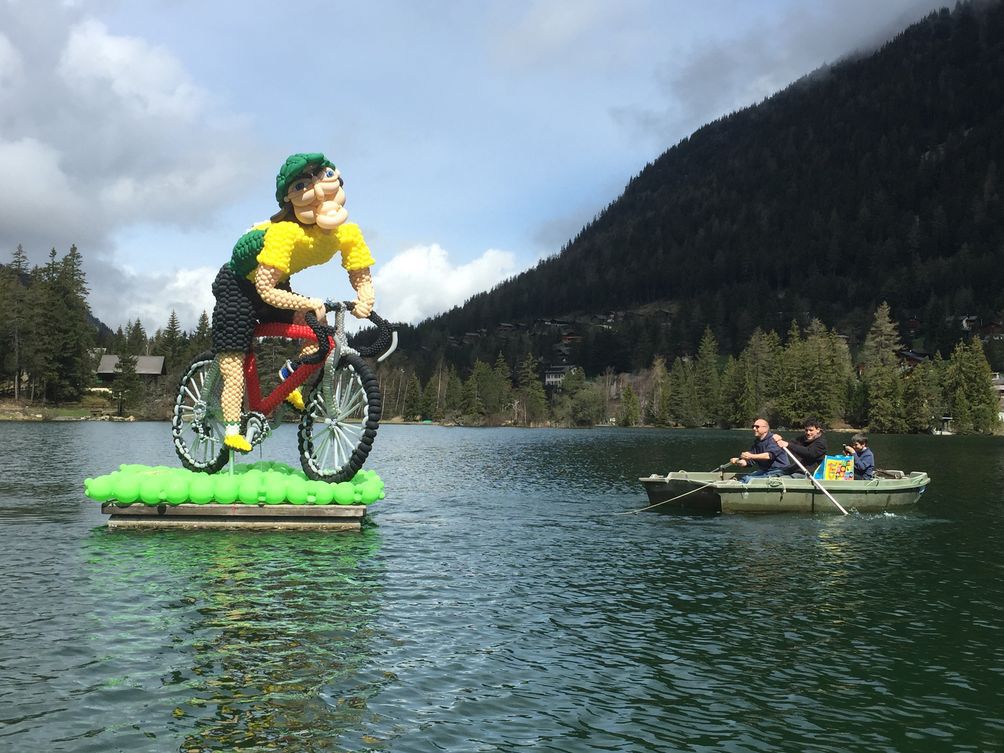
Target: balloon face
319,199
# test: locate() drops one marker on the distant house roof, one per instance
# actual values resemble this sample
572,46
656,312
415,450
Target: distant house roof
145,366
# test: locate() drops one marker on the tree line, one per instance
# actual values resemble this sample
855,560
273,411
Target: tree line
807,373
812,374
52,343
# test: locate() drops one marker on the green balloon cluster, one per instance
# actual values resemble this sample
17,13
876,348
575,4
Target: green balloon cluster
263,483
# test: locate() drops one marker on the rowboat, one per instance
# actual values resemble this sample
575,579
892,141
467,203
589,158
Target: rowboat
727,493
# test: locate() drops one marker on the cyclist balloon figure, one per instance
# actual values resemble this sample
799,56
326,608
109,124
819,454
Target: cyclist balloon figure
310,228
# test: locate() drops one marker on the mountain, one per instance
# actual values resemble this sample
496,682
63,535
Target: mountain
874,179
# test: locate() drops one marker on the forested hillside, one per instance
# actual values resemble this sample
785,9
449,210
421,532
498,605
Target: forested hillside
875,179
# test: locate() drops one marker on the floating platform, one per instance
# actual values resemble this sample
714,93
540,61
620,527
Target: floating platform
298,517
257,495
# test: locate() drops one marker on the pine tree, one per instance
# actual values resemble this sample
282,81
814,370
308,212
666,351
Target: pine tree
685,406
630,409
882,344
921,398
453,400
881,374
75,367
427,404
659,403
531,391
969,389
885,400
16,311
794,400
171,343
707,380
136,340
760,365
200,340
739,405
473,406
503,383
412,409
126,388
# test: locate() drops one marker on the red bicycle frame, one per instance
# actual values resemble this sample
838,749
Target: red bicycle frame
268,403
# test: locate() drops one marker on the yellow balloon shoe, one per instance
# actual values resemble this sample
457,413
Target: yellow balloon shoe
237,442
295,398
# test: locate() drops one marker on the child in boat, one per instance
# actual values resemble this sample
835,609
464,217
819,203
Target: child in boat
864,459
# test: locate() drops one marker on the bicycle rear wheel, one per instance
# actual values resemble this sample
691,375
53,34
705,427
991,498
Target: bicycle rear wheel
340,421
197,423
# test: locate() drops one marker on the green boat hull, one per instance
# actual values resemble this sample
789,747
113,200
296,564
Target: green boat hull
726,493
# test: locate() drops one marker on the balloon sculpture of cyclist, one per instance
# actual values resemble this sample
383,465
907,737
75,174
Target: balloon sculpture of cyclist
309,229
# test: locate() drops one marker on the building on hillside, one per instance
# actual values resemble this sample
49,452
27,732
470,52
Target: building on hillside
992,332
909,358
554,376
147,367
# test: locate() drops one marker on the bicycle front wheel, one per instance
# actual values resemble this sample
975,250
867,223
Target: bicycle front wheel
340,421
197,421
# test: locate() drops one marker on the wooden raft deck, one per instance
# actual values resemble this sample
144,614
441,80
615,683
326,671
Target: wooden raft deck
296,517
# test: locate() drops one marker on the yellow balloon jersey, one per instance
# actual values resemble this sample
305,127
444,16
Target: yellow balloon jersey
290,247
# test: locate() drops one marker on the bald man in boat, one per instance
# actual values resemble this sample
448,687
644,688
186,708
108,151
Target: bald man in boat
765,455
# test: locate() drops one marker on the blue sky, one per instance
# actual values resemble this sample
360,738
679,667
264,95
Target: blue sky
475,137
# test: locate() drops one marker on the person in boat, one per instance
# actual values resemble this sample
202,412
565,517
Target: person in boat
309,229
810,448
864,458
765,455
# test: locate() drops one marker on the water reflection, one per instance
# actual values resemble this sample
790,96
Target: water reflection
248,633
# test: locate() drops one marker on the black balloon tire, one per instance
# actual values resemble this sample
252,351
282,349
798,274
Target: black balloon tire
362,378
201,363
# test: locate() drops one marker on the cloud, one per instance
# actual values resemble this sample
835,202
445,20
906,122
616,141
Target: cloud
715,76
422,281
146,80
31,201
587,38
100,131
119,296
11,66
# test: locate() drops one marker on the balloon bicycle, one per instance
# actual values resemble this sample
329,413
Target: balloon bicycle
341,408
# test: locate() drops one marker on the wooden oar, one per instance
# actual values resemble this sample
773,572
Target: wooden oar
814,480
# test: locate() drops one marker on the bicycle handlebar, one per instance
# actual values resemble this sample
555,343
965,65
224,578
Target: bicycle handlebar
321,331
384,331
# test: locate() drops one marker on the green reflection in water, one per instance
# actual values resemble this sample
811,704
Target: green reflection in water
239,640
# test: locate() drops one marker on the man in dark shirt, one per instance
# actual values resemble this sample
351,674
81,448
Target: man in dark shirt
765,455
810,448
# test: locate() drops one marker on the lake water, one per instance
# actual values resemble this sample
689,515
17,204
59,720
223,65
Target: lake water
498,602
